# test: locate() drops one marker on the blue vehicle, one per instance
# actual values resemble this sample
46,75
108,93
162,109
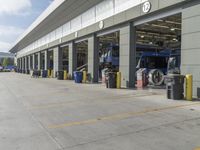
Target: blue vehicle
110,56
154,60
149,58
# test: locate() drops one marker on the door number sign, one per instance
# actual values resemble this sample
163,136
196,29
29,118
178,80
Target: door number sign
146,7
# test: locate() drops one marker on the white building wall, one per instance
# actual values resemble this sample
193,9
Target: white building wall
101,11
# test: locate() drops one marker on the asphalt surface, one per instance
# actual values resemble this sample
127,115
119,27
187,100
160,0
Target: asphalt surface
47,114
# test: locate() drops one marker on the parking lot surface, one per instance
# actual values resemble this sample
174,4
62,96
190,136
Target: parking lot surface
47,114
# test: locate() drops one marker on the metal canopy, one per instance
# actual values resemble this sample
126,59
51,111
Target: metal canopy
68,10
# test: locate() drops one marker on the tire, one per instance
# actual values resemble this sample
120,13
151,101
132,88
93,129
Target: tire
156,77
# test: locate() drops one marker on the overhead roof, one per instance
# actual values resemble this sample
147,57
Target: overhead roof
57,14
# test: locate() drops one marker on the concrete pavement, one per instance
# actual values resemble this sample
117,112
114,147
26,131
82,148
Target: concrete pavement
47,114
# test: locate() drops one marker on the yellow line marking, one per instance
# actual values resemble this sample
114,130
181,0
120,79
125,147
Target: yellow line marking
198,148
119,116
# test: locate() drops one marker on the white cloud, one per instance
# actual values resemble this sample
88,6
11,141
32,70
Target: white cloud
7,31
8,35
15,7
4,46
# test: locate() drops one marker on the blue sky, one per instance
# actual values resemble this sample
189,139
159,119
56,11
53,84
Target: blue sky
15,17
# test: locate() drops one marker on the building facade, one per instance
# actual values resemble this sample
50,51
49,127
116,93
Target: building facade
66,23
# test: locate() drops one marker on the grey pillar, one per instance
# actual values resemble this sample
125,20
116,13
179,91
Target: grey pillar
57,60
20,63
23,66
25,63
45,60
72,59
33,61
190,46
93,58
39,61
29,62
128,56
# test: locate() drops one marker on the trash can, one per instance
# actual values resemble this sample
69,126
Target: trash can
27,71
175,86
142,80
44,73
78,76
111,79
60,75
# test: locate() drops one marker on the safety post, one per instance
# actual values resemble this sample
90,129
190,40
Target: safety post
52,74
65,75
84,76
119,80
49,73
189,87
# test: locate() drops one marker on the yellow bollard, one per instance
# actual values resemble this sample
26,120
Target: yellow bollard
84,76
119,75
49,73
52,75
189,87
65,75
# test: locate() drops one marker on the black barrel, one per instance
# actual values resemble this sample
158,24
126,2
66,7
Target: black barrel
60,75
44,73
175,86
111,79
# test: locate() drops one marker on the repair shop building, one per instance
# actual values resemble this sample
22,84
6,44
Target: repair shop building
67,22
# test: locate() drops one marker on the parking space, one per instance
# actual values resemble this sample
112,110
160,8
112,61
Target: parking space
47,114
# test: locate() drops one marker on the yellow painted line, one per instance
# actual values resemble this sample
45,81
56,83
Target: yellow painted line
198,148
119,116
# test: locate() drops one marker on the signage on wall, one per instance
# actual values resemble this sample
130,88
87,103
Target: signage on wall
101,24
146,7
76,34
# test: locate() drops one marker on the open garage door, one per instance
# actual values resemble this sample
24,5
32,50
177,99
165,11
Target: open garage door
158,47
108,54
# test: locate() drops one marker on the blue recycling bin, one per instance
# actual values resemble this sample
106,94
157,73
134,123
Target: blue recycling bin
78,76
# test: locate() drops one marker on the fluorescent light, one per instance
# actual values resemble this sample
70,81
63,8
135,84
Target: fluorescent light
142,36
155,25
173,22
172,29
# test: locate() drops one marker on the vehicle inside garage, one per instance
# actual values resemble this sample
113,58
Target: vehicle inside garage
50,58
158,49
108,53
65,58
36,61
42,61
82,55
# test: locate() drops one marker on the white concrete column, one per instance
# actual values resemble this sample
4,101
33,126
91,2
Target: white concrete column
33,61
128,55
45,60
93,58
39,61
29,62
72,59
25,63
57,60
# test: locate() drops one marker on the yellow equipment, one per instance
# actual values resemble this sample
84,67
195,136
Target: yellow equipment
84,76
49,73
189,87
119,75
65,75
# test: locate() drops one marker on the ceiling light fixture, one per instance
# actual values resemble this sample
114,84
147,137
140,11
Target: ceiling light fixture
160,26
142,36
